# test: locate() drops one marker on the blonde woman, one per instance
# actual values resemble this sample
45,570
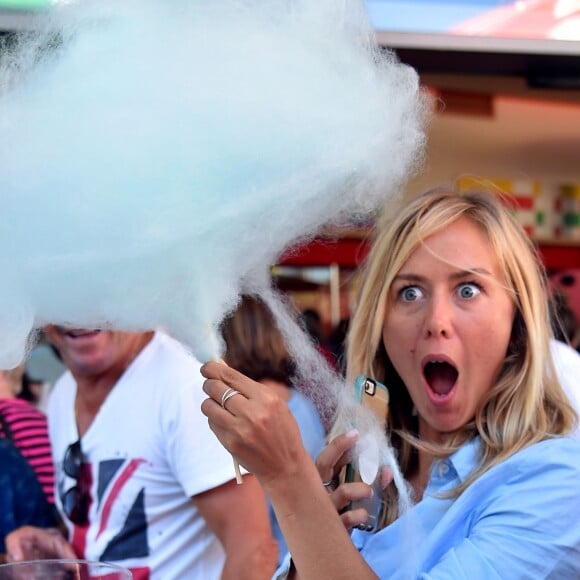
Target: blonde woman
453,317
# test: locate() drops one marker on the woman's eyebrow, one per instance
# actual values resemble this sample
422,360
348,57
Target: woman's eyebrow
408,278
412,277
470,272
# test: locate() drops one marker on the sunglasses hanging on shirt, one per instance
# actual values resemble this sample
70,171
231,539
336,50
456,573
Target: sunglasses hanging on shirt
76,500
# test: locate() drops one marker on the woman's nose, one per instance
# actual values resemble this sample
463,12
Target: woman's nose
438,318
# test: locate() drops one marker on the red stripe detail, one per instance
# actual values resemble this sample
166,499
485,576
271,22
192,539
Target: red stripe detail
140,573
30,435
121,481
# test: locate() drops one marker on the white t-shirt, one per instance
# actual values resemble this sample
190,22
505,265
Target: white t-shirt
567,362
149,450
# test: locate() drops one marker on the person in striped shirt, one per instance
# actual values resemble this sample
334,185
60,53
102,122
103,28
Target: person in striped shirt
27,427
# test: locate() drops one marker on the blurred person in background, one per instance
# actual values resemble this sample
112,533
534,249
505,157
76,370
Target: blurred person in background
22,501
31,390
26,426
336,343
566,358
255,346
312,324
43,368
563,320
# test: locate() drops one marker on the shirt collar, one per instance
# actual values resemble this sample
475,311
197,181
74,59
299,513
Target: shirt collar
466,459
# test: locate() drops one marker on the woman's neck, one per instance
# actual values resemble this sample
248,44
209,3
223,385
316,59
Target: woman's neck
420,479
429,435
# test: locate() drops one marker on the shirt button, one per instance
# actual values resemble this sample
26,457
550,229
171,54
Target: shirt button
443,469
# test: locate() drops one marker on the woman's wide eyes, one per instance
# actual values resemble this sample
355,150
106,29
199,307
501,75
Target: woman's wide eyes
469,290
466,291
411,293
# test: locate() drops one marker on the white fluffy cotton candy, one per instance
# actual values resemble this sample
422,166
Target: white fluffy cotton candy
335,401
156,155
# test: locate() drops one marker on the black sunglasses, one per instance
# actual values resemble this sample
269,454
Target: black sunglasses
75,501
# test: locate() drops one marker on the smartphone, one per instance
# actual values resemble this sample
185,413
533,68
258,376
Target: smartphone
375,396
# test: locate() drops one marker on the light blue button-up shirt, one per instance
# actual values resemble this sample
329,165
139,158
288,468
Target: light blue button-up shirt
521,519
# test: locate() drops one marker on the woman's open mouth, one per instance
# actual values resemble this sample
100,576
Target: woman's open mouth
441,378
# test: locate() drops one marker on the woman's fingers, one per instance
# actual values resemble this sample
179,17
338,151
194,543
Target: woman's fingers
252,422
344,496
220,376
335,456
351,500
386,476
346,493
354,518
229,392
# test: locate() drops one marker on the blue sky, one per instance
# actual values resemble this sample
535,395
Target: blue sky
425,16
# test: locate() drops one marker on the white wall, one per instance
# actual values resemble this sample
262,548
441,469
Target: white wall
524,138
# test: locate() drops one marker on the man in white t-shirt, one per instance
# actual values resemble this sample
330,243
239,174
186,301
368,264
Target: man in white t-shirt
141,479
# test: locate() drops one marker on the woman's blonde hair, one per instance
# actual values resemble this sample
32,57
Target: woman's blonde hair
527,403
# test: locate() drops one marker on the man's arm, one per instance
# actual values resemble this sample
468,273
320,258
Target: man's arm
238,516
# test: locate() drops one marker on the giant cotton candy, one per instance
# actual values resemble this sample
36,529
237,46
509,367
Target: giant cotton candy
158,156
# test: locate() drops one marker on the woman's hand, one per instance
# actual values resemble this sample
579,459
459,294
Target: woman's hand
254,425
257,428
331,461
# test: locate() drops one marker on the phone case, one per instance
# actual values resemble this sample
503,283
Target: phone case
375,396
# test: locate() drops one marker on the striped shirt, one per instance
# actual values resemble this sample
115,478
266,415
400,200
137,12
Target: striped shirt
30,436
